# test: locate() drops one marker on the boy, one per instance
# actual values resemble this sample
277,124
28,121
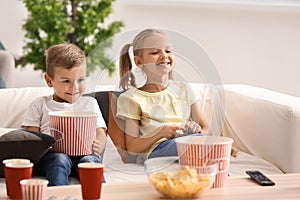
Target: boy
66,74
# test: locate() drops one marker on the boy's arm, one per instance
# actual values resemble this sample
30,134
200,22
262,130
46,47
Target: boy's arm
32,117
100,141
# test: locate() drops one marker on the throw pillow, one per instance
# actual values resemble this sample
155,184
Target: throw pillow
24,144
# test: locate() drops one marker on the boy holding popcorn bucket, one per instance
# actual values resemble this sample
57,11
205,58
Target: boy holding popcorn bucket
66,74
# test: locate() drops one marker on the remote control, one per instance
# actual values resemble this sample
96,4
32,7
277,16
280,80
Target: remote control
260,178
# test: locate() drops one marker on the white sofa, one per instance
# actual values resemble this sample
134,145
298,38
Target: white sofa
263,123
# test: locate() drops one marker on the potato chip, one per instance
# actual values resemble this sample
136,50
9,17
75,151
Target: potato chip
186,183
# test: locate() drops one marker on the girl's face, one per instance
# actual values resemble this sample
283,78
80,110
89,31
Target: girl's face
68,84
156,57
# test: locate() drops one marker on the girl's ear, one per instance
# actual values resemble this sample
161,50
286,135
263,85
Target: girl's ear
137,61
48,80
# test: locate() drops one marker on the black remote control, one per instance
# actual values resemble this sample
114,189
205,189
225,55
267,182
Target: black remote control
260,178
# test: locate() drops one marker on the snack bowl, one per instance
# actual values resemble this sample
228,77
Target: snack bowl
173,180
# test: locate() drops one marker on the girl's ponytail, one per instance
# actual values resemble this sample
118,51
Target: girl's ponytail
127,78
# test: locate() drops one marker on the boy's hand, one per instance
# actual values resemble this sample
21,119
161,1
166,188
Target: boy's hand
97,147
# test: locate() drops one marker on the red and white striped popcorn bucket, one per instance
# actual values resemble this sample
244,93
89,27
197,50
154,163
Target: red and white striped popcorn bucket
198,150
74,132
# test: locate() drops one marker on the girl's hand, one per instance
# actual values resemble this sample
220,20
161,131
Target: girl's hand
96,147
192,127
170,131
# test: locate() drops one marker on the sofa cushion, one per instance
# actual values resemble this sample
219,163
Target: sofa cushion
24,144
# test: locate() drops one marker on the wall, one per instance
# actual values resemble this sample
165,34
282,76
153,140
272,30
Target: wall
256,45
12,15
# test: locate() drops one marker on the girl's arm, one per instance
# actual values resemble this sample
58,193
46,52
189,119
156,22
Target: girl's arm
100,141
198,117
136,144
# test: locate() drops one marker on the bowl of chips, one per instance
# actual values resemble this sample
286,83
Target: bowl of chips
173,180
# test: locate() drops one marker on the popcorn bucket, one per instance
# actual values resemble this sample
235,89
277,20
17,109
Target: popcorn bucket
74,132
198,150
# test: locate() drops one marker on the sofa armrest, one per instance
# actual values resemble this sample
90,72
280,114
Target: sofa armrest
264,123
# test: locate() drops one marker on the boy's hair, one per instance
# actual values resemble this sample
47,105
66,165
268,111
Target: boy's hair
65,55
127,78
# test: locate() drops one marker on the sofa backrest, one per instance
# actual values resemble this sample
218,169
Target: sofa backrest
14,102
261,122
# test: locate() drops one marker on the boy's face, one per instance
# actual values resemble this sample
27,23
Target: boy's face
68,84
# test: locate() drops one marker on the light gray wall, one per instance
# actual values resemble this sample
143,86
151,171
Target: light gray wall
259,46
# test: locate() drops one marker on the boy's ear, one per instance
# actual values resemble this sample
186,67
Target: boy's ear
48,80
137,61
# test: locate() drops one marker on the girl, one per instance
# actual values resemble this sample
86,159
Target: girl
162,109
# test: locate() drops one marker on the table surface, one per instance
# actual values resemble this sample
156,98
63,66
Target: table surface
287,187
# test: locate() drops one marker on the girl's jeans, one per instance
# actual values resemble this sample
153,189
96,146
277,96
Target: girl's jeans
167,148
57,167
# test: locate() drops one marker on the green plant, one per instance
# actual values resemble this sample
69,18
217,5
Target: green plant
81,22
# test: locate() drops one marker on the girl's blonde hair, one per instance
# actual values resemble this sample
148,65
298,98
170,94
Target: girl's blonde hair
127,78
65,55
